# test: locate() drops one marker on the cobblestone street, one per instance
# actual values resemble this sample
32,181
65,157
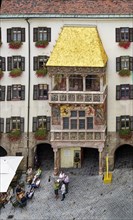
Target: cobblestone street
88,198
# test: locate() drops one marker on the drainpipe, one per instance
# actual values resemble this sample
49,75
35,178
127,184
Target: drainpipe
28,109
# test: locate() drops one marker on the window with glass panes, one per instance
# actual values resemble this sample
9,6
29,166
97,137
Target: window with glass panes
42,121
16,92
42,34
124,34
16,34
39,62
77,120
125,122
16,62
15,123
124,62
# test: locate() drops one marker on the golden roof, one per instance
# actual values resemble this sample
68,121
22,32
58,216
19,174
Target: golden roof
78,46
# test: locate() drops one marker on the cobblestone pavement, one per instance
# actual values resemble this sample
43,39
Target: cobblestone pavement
88,197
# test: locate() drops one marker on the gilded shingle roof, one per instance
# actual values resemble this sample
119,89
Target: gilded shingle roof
75,7
78,46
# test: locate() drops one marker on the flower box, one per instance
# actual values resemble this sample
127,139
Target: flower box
124,72
15,72
15,44
41,72
124,44
1,73
14,135
125,133
40,134
42,43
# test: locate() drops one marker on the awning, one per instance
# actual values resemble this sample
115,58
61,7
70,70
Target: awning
8,167
78,47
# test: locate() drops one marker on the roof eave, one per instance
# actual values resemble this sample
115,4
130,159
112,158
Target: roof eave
85,16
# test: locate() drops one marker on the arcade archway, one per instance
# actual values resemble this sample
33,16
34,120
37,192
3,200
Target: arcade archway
3,152
90,161
45,155
124,157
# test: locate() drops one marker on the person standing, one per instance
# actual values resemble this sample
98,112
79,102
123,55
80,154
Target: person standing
56,188
63,190
66,181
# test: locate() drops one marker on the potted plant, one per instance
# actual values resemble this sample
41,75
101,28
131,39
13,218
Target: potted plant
40,134
41,43
125,133
124,44
15,44
1,73
41,72
15,72
14,135
124,72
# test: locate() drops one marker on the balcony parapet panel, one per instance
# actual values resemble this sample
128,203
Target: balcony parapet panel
62,97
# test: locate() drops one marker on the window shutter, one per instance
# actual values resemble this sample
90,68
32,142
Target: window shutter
9,31
9,63
3,93
23,34
131,92
117,123
35,63
22,124
35,34
117,34
49,34
118,64
34,124
48,123
2,125
131,123
131,63
3,63
35,92
23,63
8,93
7,125
47,91
118,94
131,34
22,92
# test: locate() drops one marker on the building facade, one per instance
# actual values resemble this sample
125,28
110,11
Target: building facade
66,79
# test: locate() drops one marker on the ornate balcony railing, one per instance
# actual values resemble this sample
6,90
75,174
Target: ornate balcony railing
77,97
78,136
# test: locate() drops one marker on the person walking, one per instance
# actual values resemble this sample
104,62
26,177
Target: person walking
66,181
56,188
63,190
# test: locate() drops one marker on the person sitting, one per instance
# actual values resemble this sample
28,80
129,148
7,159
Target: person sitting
19,189
35,183
30,194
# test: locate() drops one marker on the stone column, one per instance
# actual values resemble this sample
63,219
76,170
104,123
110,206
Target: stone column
55,162
84,84
100,161
67,83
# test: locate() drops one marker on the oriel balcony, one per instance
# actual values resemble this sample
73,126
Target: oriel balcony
75,88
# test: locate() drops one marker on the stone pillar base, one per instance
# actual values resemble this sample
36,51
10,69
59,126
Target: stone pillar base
55,171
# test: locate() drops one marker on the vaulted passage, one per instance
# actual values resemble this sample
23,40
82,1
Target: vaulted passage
90,161
3,152
124,157
45,156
